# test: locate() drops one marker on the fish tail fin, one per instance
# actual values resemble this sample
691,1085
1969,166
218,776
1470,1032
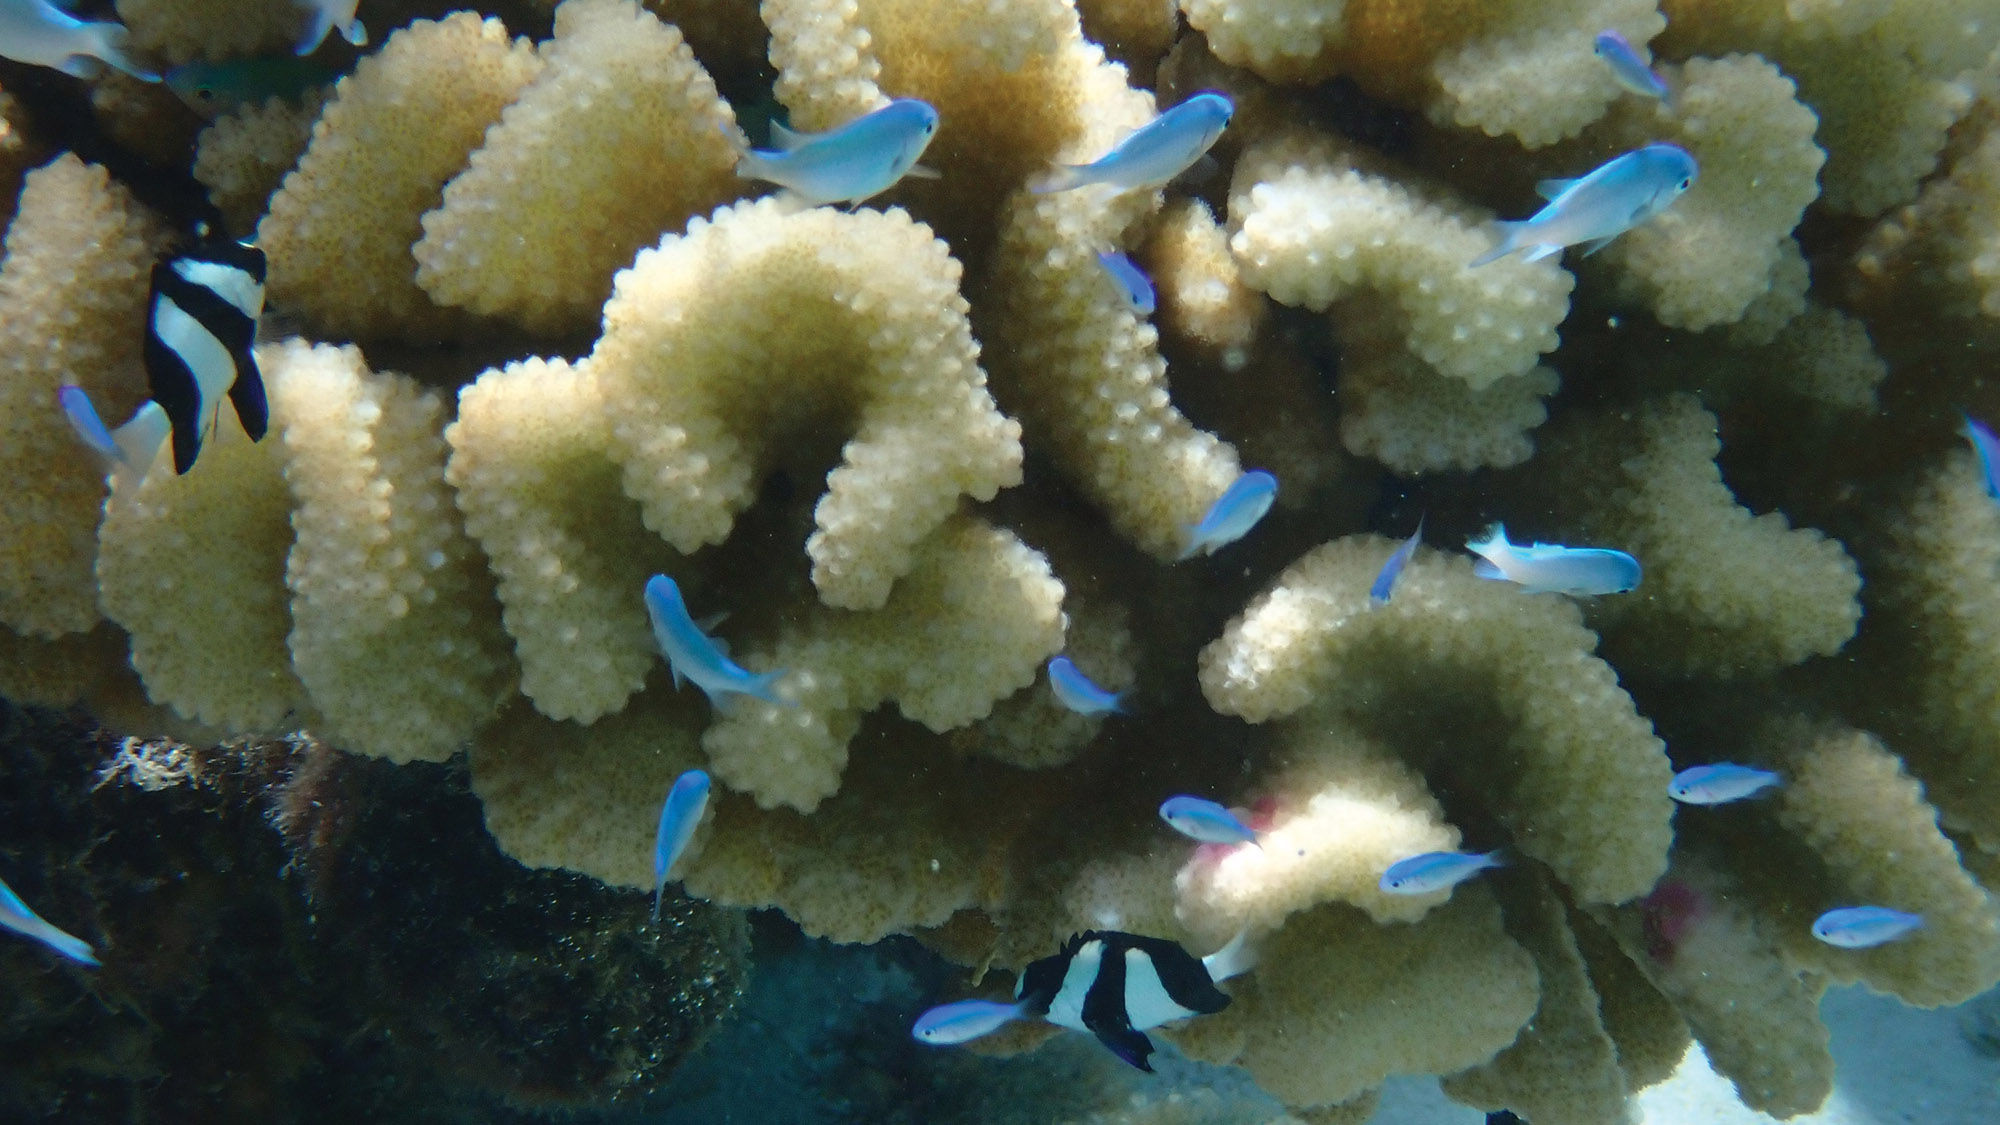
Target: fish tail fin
1059,177
1191,532
139,441
765,687
754,165
319,22
1232,960
1497,858
1510,235
112,41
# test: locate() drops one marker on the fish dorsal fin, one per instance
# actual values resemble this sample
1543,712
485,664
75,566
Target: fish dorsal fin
1550,189
784,139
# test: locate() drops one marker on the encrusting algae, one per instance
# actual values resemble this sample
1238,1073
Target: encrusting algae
533,340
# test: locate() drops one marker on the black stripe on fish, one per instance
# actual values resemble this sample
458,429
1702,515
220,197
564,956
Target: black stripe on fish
1135,983
202,321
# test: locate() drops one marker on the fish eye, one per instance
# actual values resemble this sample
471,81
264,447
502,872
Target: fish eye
1687,182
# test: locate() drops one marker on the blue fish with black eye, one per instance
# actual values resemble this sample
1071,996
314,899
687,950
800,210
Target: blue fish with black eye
1719,783
1863,927
1988,448
1628,68
1620,194
1131,282
694,655
42,34
862,158
1549,568
1435,871
963,1021
1233,514
1154,153
1078,693
680,814
215,88
1199,818
15,915
1392,569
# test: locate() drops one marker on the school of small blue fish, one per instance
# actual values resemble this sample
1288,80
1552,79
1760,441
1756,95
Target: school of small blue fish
857,161
1597,207
206,303
1154,153
1233,514
680,815
1550,568
1132,283
1076,691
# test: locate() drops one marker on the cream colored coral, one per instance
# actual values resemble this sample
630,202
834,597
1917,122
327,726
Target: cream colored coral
1397,409
395,632
1523,68
723,344
185,30
1884,77
1724,593
193,567
340,229
1199,286
1136,32
1339,1002
1710,257
1756,1016
620,138
244,155
1649,1033
1931,560
72,302
1946,245
1564,1069
1311,227
1571,769
970,624
1344,809
1032,729
530,472
1847,799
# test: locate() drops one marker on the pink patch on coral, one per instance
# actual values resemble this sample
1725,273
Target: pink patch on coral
1667,915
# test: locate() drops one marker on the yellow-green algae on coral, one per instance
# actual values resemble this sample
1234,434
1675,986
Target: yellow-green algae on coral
917,447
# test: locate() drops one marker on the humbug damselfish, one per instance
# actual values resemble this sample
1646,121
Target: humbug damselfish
201,323
1117,985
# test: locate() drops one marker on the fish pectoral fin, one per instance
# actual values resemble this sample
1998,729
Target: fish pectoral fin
81,66
1127,1044
923,172
1596,244
1549,189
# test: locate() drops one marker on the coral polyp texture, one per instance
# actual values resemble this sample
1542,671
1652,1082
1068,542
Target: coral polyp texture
530,341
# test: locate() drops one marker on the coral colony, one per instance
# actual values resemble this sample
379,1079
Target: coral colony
538,332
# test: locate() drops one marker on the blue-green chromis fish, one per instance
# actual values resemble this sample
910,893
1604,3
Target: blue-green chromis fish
1435,871
40,34
1201,819
680,814
1861,927
1076,691
862,158
963,1021
1385,580
215,88
1719,783
1155,153
1550,568
1233,514
1621,194
15,915
1131,281
693,654
1988,448
1628,68
323,17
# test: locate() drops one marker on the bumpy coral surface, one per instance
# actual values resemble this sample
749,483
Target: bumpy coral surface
903,452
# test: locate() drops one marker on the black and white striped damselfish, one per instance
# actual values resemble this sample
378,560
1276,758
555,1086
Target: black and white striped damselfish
201,323
1118,985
